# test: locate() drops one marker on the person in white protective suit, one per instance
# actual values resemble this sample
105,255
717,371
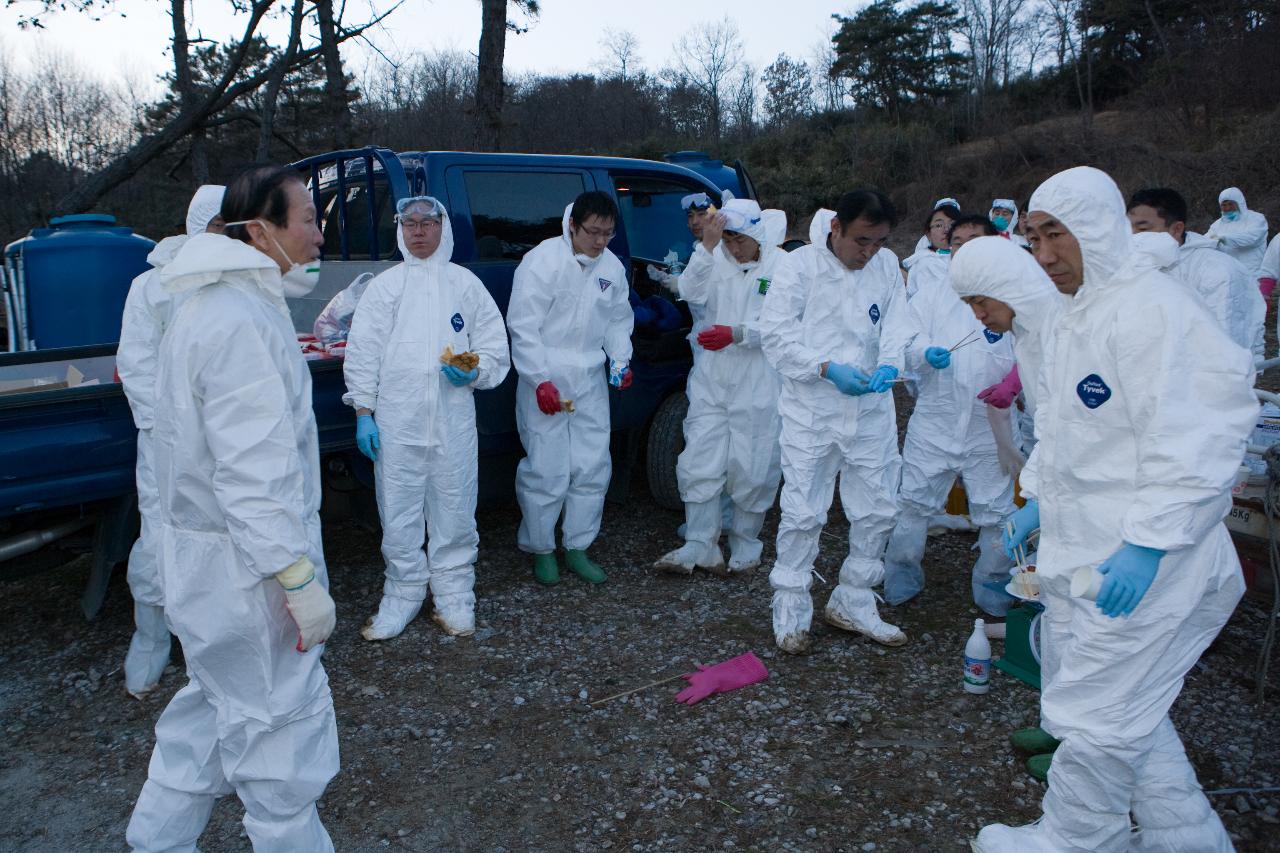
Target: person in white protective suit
837,329
1004,215
1009,292
147,310
731,431
568,317
1269,272
1228,290
1240,232
245,589
1145,407
929,240
416,417
949,435
697,206
928,264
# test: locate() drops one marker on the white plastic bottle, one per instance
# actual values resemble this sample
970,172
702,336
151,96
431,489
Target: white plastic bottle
977,660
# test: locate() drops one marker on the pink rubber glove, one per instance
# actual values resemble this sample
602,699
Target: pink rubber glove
722,677
1266,285
1002,394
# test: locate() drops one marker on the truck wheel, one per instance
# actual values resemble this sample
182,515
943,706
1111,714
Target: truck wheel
666,440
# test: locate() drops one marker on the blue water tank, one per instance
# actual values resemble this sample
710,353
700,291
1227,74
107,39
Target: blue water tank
73,278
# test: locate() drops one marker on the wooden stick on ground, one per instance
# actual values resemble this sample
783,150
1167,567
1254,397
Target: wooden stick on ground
633,690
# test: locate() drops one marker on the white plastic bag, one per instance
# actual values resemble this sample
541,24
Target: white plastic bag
334,323
1011,459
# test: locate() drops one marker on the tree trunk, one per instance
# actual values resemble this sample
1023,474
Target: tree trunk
271,93
489,94
335,79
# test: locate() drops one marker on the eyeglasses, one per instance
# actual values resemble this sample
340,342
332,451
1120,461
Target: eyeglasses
416,224
598,233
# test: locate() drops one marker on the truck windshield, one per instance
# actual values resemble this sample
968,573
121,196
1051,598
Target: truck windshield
652,216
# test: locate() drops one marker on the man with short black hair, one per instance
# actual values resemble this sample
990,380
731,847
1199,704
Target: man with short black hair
1227,288
569,315
837,331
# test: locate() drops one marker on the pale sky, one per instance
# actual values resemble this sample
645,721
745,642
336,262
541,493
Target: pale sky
132,36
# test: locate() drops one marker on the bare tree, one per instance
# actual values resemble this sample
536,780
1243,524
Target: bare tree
743,106
236,81
1072,20
271,93
337,100
989,30
710,57
622,53
833,89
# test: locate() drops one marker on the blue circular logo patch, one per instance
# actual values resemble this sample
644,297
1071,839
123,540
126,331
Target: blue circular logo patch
1093,391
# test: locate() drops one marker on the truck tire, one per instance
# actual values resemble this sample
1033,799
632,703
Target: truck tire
666,441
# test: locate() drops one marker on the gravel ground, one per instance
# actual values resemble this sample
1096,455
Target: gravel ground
483,743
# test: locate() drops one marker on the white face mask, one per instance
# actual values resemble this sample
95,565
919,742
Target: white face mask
300,279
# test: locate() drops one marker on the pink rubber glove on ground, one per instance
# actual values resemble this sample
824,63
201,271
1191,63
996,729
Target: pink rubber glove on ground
1266,285
722,677
1002,394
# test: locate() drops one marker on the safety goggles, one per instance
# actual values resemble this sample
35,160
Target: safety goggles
429,208
736,220
696,201
946,202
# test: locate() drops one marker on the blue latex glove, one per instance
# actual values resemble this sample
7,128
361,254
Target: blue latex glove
882,379
367,437
1129,573
938,357
459,377
1024,521
850,380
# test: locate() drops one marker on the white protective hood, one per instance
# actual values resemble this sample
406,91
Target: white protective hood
996,268
204,206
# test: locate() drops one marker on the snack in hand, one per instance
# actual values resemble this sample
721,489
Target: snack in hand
566,405
463,361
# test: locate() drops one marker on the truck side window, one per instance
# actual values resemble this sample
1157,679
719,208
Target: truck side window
651,214
357,204
514,211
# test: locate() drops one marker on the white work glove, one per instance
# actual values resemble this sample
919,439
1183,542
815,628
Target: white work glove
664,278
309,603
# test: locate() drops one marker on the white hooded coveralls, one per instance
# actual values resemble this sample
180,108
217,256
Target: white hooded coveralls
426,470
731,431
238,471
949,435
1145,407
147,310
825,312
1246,238
567,317
1010,232
1229,291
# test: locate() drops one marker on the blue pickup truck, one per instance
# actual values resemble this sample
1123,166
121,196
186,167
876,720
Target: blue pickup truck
67,453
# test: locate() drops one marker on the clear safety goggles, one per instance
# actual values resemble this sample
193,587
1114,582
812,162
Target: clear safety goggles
736,220
696,201
946,202
428,207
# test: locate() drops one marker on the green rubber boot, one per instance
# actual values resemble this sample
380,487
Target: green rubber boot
1034,740
1038,766
546,570
584,568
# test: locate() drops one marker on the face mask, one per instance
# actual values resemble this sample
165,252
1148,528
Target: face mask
1232,216
300,279
1001,223
944,252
